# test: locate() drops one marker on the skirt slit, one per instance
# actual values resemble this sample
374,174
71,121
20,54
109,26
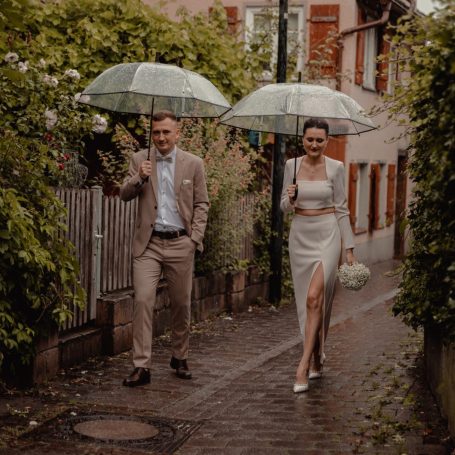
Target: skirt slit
321,328
314,241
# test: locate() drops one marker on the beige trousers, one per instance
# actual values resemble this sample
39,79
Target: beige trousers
174,258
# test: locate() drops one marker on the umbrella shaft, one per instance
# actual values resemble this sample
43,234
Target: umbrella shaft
150,130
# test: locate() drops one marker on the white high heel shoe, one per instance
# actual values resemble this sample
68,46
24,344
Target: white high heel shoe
317,374
299,388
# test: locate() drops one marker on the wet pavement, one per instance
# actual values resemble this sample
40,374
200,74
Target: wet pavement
371,399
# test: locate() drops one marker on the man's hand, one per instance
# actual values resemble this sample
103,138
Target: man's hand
145,169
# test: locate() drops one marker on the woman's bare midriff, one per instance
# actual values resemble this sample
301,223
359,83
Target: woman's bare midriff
314,212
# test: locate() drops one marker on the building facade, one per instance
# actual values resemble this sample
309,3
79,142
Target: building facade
348,35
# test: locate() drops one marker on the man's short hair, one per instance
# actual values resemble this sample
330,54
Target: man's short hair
162,115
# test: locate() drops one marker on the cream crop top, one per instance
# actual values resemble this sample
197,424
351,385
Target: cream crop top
319,194
314,194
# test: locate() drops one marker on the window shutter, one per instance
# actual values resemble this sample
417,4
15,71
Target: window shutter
391,174
232,18
352,197
383,66
360,53
377,195
324,21
336,148
375,182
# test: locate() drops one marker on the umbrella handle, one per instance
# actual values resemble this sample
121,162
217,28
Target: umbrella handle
294,182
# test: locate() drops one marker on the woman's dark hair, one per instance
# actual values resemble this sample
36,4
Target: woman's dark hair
316,123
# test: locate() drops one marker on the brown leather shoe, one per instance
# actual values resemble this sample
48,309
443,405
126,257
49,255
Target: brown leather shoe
181,368
139,376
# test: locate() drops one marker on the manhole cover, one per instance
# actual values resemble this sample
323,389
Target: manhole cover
95,428
115,429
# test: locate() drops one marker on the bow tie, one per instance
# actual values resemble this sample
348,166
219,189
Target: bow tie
164,158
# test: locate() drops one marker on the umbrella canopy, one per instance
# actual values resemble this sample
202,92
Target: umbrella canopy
142,88
283,108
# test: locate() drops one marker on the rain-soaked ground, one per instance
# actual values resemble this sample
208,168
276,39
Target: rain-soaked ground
372,397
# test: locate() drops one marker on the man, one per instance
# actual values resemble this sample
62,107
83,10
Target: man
170,225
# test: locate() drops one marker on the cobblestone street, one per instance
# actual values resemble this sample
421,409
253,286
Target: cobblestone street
371,398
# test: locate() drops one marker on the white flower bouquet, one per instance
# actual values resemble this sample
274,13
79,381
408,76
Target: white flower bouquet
354,276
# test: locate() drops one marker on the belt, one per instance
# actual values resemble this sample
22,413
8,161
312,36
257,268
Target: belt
169,234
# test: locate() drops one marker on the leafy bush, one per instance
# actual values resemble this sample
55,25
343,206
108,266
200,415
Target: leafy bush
263,232
38,270
39,105
425,48
228,168
92,36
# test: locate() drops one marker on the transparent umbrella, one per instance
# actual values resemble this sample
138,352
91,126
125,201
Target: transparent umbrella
144,88
283,108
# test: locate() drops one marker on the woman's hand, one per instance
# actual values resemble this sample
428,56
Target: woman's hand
291,193
350,258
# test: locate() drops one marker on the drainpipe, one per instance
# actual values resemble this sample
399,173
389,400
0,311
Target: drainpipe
358,28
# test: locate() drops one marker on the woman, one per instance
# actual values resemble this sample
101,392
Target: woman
320,222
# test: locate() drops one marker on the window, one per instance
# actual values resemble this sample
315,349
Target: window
261,32
370,58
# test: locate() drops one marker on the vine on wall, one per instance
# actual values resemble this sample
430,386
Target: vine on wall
423,101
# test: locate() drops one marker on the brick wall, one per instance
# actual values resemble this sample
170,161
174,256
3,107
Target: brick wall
113,333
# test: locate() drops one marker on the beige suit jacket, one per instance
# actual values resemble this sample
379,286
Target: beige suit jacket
190,193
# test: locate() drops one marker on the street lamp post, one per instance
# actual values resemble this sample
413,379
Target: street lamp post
276,240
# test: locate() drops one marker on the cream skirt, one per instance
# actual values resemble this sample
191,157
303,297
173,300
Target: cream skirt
314,240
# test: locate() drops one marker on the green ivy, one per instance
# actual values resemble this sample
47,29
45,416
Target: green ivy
38,270
425,47
92,36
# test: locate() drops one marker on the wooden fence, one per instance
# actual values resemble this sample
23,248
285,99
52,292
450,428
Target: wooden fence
102,227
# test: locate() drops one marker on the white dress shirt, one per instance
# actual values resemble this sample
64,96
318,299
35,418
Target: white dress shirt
168,218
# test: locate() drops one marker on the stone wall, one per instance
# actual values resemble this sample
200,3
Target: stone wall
440,370
113,331
212,295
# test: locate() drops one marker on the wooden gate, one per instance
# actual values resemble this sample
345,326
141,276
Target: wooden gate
84,232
